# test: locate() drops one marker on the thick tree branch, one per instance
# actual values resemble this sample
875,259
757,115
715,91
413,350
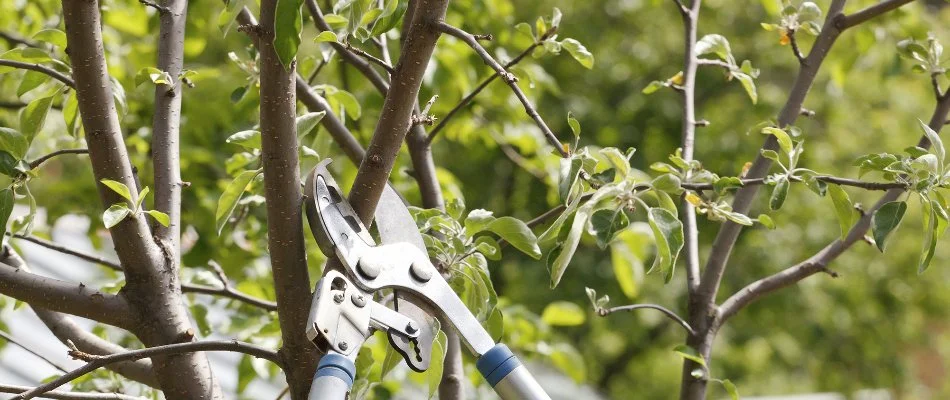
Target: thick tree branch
398,107
10,339
39,161
819,261
603,312
70,395
95,362
166,125
40,68
509,78
285,236
867,14
71,298
481,86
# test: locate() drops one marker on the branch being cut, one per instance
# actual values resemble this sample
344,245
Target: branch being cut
818,262
509,78
95,362
70,395
40,68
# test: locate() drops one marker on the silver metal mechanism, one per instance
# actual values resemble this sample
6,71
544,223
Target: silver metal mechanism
519,385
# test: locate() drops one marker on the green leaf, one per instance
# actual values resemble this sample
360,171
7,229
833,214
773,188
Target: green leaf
33,116
784,140
119,188
477,220
232,194
517,233
495,325
334,19
668,183
142,194
886,219
668,233
6,208
525,29
563,313
287,25
731,389
159,216
714,43
567,359
392,15
575,126
844,210
559,258
250,140
748,83
653,87
306,122
71,115
154,75
779,193
200,312
13,142
930,236
690,354
766,221
115,214
8,164
579,52
808,11
488,247
436,363
606,223
31,80
54,37
626,256
617,160
350,105
569,172
325,36
935,141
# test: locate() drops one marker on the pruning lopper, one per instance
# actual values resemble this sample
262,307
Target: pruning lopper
347,306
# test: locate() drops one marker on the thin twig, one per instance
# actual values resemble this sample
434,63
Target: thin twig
231,293
823,178
509,78
40,68
161,9
682,7
66,250
14,40
370,57
4,388
283,393
36,163
603,312
9,338
715,63
481,86
866,14
318,69
795,49
94,362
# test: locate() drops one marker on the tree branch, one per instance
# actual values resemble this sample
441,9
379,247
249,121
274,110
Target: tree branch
866,14
66,250
688,138
509,78
823,178
40,68
95,362
14,40
69,395
481,86
359,63
371,58
166,125
603,312
795,49
71,298
819,261
39,161
9,338
285,235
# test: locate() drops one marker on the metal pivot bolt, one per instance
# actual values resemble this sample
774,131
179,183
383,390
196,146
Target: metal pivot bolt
371,271
338,298
358,300
343,346
411,327
421,272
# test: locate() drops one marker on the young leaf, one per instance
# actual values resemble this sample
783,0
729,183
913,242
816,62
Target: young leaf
119,188
308,121
784,140
930,236
690,354
731,389
575,126
477,220
436,363
779,193
559,258
6,208
935,141
626,256
844,210
714,43
617,160
287,25
517,233
606,223
668,233
748,83
766,221
142,194
229,199
31,80
886,220
563,313
33,116
569,172
13,142
247,139
325,36
54,37
579,52
159,216
115,214
653,87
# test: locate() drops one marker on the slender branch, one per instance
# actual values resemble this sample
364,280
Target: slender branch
714,63
14,40
935,82
40,68
819,261
9,338
95,362
509,78
70,395
603,312
71,298
866,14
282,393
66,250
370,57
823,178
350,57
681,7
481,86
161,9
795,49
12,105
690,16
37,162
231,293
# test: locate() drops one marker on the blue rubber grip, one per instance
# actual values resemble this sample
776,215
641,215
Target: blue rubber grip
497,363
337,366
